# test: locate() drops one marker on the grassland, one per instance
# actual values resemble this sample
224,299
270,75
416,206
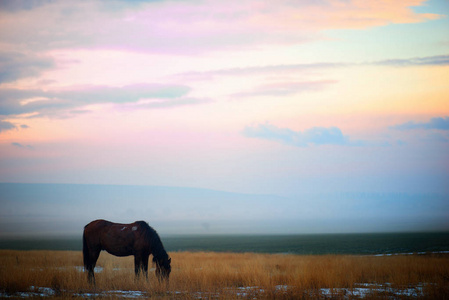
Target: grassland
206,275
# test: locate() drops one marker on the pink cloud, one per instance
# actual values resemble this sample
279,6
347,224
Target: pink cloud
192,27
357,14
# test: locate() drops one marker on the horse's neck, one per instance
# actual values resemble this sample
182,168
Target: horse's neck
158,250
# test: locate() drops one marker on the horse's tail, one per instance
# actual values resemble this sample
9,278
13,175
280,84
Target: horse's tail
86,259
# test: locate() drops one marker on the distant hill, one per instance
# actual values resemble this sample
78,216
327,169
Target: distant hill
63,209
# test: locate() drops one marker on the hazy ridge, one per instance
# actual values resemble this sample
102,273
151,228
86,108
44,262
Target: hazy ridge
64,209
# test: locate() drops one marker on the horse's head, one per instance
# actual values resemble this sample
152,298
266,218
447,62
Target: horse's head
163,268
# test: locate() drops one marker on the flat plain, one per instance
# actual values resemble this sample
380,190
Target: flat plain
212,275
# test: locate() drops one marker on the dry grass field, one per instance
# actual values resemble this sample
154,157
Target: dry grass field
208,275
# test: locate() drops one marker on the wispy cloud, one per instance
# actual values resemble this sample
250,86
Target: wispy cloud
257,70
18,145
163,103
439,123
437,60
17,65
14,102
315,135
18,5
285,88
5,125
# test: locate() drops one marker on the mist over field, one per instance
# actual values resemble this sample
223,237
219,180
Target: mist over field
63,209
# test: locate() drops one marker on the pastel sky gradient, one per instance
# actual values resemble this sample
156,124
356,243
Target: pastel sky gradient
260,97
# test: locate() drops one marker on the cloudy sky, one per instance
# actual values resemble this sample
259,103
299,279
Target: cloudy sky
256,97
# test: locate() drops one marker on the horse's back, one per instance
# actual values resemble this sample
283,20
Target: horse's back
116,238
97,224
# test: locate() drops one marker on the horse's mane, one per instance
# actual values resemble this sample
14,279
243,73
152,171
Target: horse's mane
157,248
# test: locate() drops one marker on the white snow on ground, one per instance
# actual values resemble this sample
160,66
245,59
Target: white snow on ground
43,292
365,289
361,291
32,293
96,269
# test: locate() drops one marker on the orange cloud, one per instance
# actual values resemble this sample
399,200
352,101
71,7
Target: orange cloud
357,14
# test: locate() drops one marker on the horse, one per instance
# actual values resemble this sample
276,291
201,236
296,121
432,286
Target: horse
138,239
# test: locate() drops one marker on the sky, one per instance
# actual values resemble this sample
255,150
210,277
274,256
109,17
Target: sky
294,99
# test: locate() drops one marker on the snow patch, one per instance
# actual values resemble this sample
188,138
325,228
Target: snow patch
361,290
96,269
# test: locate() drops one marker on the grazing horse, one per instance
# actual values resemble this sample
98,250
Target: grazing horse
137,239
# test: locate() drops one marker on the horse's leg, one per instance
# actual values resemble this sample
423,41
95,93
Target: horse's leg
91,251
93,257
137,264
145,265
91,276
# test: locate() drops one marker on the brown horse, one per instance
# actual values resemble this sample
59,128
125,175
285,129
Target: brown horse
137,239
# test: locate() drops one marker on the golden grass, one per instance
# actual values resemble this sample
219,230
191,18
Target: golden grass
228,275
